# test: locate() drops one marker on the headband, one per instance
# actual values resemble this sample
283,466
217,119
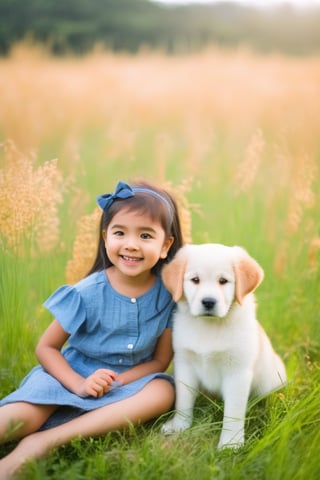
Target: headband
123,191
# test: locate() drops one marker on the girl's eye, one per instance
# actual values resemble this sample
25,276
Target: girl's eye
118,233
145,235
223,281
195,280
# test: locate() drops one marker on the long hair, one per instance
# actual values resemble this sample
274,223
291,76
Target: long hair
150,206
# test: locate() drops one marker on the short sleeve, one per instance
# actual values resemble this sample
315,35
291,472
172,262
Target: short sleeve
67,307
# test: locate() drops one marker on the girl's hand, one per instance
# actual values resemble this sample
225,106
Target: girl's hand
97,384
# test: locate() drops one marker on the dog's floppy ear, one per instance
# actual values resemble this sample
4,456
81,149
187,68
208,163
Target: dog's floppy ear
248,274
173,274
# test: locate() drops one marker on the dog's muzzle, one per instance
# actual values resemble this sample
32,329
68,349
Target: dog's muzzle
209,304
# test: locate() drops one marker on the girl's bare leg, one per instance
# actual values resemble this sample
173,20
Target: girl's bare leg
155,398
21,418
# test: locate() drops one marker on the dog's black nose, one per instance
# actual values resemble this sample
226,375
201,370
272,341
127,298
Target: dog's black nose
209,303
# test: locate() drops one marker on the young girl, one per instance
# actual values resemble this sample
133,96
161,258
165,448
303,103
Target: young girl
117,321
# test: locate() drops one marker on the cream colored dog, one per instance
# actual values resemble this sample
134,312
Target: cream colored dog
217,340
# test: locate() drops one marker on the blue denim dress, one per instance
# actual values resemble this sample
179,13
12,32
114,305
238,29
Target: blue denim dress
107,330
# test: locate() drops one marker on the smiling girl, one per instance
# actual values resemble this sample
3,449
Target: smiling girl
117,325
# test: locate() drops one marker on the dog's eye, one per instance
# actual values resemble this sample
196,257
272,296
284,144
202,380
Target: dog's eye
195,280
223,281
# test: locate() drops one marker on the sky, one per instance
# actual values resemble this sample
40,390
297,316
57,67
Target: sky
299,3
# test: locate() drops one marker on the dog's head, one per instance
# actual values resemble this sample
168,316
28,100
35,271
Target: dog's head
211,277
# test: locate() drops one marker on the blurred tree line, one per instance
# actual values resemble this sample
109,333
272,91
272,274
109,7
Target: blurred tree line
76,26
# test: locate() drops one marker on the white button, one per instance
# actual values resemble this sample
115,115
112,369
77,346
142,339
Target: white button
133,300
130,346
120,361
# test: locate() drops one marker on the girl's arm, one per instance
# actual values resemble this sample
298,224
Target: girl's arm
161,359
49,355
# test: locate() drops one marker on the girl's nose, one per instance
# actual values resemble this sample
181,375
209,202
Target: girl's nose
132,244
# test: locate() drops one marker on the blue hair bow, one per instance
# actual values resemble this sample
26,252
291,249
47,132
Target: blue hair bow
122,191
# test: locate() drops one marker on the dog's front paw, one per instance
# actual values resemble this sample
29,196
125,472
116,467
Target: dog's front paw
176,424
231,441
232,446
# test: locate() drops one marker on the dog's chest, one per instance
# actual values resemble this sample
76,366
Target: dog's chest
213,350
207,339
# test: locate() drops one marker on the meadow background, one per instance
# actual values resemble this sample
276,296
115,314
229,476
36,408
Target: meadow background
235,134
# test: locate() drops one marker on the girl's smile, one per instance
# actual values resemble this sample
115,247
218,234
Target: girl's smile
131,260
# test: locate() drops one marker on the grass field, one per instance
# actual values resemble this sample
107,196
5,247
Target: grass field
236,136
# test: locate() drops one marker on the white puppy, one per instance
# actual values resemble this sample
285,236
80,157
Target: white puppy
217,340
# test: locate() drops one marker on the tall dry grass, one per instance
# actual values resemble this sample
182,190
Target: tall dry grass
249,121
261,113
29,200
198,94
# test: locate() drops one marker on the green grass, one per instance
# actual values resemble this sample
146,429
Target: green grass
283,430
283,439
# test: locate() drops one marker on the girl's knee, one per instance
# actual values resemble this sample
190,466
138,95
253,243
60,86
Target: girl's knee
21,418
163,394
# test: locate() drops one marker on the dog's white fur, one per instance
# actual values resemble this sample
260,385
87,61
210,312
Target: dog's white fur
217,340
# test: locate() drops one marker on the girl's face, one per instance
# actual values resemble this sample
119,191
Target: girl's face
134,242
